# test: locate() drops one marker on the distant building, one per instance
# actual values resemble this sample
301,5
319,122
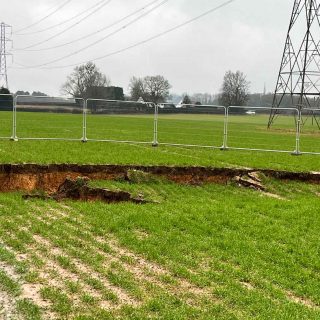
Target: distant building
106,93
167,105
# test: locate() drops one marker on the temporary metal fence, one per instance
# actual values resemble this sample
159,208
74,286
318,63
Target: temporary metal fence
189,125
6,115
63,118
25,117
120,121
310,140
281,138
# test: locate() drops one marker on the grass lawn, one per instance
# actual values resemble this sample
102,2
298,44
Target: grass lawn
244,131
194,252
251,257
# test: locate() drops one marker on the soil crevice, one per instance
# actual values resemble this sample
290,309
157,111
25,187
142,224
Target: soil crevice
30,177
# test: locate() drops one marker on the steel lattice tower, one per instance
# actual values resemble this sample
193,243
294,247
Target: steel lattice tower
3,54
299,76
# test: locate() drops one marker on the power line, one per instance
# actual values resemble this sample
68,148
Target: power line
67,29
95,32
45,17
179,26
60,23
108,35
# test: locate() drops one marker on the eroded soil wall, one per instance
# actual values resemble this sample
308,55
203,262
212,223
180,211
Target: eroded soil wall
28,177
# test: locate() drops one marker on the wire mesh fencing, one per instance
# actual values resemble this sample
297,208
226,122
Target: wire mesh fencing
119,121
6,116
191,125
247,129
48,118
310,131
207,126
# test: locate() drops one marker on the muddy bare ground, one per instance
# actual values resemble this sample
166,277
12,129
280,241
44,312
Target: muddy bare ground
79,189
29,177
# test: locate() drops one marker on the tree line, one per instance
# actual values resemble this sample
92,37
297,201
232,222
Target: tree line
156,89
235,89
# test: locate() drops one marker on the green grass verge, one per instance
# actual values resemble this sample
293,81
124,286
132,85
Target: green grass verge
206,252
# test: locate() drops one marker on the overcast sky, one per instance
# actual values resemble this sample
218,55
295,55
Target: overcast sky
246,35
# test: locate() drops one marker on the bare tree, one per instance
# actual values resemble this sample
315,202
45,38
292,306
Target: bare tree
235,89
152,89
137,89
82,78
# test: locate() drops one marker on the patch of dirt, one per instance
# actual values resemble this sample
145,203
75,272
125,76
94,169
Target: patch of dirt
7,302
32,292
29,292
304,301
247,285
7,307
9,271
76,276
80,190
49,178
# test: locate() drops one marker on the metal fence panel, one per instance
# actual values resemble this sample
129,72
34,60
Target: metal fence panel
6,116
238,128
247,130
192,125
48,118
120,121
310,131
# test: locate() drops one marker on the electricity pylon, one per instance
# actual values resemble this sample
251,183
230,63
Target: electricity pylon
299,76
4,39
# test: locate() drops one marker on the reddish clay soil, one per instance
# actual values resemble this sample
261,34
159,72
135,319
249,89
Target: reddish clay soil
48,178
80,190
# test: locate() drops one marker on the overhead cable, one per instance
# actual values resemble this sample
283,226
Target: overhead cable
67,29
61,23
95,32
161,34
45,17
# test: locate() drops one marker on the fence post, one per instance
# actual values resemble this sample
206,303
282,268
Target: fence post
297,151
84,121
225,129
14,119
155,142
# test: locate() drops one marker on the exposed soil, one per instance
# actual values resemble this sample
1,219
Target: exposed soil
29,177
7,307
80,190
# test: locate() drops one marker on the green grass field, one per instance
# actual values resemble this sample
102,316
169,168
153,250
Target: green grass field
194,252
251,257
244,131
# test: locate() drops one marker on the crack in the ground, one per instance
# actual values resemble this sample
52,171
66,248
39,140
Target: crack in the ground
29,177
